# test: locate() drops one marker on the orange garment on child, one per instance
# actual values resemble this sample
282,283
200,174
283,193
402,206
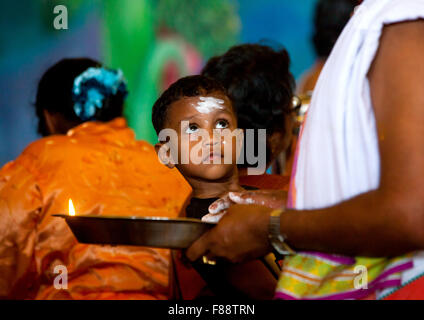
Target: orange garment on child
105,171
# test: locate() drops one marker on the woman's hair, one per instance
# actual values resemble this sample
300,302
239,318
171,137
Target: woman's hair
330,18
259,83
79,90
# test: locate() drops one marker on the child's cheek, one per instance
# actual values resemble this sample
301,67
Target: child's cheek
183,148
191,152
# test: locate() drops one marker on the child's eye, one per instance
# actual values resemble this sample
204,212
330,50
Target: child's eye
222,124
192,128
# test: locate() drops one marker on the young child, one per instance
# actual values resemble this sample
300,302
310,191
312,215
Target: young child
193,108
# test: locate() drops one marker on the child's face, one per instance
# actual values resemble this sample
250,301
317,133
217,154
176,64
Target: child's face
195,119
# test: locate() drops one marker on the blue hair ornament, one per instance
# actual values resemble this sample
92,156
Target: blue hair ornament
91,88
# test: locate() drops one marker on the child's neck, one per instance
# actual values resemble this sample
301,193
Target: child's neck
204,189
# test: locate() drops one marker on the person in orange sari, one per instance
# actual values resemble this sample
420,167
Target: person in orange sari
88,155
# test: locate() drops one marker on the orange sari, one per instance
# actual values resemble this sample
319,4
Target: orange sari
105,171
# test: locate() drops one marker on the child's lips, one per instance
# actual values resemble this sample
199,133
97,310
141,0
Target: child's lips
212,156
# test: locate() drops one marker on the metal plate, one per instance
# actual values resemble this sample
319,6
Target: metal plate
156,232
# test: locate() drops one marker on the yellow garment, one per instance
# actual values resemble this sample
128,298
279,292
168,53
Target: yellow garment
105,171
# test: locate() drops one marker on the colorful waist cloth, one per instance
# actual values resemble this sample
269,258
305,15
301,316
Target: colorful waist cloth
312,275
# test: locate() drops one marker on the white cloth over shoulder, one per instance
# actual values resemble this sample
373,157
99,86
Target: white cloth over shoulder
338,156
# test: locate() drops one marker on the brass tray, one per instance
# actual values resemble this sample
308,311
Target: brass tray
158,232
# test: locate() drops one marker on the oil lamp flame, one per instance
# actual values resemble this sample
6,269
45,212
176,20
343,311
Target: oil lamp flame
71,208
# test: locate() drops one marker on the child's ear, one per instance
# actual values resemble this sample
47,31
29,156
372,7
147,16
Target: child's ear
163,152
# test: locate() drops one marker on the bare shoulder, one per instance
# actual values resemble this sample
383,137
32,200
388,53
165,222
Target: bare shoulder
398,67
396,80
407,26
400,41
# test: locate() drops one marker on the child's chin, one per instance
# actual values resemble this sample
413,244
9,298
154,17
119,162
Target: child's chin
215,172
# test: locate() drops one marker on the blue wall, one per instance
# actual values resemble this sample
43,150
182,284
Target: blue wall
287,22
28,46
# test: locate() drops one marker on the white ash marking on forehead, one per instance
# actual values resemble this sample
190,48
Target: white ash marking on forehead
209,104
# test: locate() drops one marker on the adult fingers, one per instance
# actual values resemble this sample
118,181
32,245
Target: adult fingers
264,198
220,204
214,217
246,197
198,248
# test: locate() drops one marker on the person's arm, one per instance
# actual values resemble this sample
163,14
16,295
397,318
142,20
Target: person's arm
385,222
389,220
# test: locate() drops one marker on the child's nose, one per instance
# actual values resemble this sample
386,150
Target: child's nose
215,138
211,142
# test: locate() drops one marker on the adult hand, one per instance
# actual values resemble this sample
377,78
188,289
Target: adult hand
241,235
269,198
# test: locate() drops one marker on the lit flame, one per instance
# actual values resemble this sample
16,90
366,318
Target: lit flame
71,208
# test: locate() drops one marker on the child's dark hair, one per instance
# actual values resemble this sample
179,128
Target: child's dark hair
190,86
258,82
55,94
